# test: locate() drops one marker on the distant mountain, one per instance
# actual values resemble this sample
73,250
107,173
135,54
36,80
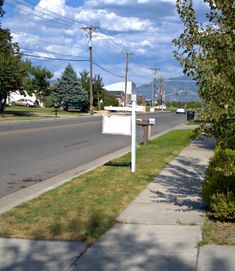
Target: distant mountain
184,86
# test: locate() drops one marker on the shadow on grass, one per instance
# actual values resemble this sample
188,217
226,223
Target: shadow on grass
19,113
118,164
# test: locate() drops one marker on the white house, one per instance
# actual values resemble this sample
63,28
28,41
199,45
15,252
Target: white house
118,90
120,86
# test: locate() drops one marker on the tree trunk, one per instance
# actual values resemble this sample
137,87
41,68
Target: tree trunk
3,100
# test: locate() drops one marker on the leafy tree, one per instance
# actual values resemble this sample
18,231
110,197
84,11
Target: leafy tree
85,80
37,82
69,89
207,52
98,90
12,68
1,8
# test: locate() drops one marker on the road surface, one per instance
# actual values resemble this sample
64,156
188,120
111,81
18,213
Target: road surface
31,152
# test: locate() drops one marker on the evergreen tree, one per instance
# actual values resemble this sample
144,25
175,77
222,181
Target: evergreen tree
69,89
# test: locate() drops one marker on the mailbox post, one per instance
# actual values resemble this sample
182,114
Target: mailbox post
56,106
146,124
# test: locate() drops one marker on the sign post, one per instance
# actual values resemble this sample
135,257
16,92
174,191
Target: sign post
133,133
123,125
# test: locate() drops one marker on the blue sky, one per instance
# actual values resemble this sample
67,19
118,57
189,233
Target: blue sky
51,29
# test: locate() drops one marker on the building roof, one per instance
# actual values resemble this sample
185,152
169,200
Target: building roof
116,93
120,86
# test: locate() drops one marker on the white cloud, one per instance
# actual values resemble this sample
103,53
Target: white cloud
112,22
57,6
95,3
147,33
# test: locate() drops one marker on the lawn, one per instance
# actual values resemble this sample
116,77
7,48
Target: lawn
30,113
87,206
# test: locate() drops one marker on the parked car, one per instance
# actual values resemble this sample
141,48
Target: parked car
180,110
23,102
73,106
161,107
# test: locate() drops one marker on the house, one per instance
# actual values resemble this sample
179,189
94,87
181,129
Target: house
118,91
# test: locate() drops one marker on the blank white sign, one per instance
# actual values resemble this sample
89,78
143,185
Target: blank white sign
116,125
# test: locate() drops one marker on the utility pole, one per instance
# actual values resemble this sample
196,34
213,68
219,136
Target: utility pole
161,90
127,54
89,30
154,87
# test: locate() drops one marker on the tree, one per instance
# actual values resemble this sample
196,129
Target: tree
37,82
69,89
98,90
208,54
12,68
1,8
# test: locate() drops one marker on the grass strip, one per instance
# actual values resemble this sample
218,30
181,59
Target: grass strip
87,206
25,113
218,233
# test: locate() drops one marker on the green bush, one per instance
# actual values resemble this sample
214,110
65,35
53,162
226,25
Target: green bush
48,101
218,188
223,206
108,100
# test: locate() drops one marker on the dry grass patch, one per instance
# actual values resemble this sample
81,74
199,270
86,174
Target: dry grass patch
218,233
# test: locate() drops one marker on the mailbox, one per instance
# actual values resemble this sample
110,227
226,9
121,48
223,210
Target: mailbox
152,121
146,124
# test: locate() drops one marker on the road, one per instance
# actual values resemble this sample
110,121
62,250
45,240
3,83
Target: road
31,152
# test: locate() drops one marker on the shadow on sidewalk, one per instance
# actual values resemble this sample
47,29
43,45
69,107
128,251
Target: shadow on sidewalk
135,247
28,255
180,182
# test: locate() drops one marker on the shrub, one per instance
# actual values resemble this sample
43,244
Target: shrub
218,188
48,101
223,206
109,100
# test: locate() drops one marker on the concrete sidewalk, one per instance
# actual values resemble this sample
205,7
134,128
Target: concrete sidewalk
159,230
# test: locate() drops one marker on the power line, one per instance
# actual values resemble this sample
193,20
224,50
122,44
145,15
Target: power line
179,80
102,68
68,20
36,15
54,58
47,52
46,41
115,69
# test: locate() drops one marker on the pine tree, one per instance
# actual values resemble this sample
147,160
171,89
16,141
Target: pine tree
69,89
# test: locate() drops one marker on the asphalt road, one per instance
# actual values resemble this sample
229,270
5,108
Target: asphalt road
31,152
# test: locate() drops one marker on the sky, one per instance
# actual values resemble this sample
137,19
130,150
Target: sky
50,33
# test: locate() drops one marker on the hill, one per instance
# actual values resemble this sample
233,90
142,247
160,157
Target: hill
171,86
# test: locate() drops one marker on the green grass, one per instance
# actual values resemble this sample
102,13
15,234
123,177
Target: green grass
87,206
30,113
194,122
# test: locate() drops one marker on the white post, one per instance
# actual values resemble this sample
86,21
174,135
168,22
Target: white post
133,134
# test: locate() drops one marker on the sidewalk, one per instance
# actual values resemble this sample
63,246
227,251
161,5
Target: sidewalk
159,230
